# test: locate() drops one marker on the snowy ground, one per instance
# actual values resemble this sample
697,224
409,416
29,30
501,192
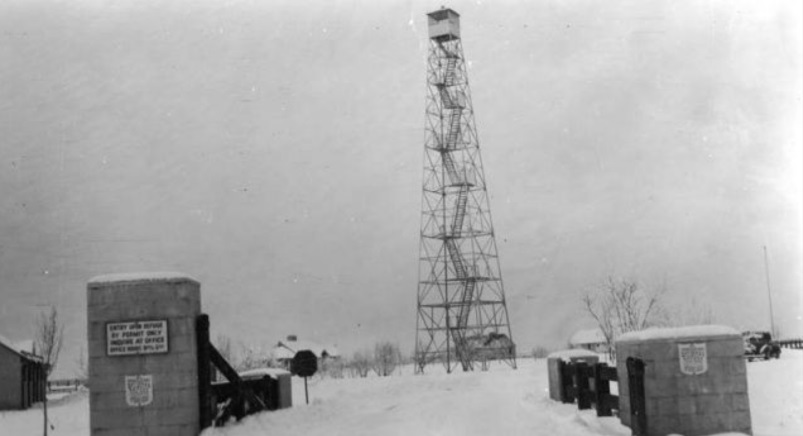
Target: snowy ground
500,401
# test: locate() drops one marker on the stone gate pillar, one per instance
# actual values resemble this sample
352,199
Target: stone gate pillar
143,372
692,381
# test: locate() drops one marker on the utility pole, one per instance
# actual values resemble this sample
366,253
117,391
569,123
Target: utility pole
769,293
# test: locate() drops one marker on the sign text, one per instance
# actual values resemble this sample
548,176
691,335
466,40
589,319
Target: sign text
136,337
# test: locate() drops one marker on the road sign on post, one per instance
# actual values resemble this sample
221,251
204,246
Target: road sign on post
304,364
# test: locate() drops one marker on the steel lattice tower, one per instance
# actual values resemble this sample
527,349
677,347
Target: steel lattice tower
462,314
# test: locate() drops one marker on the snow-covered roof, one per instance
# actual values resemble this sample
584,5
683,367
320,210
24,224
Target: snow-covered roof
141,277
728,433
687,332
282,353
586,337
273,373
27,346
288,349
567,355
23,348
8,344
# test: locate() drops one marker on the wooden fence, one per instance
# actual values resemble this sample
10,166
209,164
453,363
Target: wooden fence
589,385
796,344
219,402
64,385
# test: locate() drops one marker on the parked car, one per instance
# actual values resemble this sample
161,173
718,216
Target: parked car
759,345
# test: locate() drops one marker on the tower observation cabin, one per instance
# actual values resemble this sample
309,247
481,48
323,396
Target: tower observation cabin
444,25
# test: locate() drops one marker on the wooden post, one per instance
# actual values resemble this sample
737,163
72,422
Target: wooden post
44,404
565,378
581,382
306,392
602,390
24,402
30,383
204,370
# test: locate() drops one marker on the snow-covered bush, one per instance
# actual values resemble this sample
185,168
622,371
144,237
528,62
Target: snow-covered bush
243,357
386,358
360,364
540,352
333,368
251,357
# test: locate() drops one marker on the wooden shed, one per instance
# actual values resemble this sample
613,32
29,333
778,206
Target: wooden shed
23,379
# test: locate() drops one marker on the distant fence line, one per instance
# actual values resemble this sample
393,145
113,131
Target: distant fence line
795,344
64,385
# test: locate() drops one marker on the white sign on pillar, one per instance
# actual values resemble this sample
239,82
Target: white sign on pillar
138,390
136,337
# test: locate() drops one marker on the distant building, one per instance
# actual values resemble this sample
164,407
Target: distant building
285,350
592,339
23,378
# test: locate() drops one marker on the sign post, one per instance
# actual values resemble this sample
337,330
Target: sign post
304,364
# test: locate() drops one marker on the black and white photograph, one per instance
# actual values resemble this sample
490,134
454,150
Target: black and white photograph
401,217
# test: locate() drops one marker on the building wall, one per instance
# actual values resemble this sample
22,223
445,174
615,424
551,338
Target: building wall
10,380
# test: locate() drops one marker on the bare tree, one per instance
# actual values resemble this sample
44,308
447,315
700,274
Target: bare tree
692,312
48,342
331,367
249,358
360,364
620,306
82,371
540,352
49,338
386,357
223,346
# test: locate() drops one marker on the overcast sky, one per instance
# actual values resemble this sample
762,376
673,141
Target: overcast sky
274,151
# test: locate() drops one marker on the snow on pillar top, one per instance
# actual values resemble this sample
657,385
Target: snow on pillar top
144,277
574,353
679,333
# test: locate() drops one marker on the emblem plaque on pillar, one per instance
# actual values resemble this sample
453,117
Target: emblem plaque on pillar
693,358
138,390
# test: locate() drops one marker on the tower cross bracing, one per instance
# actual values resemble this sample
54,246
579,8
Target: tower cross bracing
462,314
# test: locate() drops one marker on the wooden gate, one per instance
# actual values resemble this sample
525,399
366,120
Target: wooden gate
589,385
638,409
